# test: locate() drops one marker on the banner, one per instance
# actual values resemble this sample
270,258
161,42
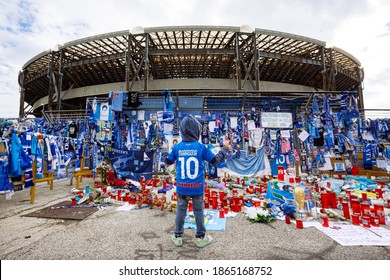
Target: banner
132,164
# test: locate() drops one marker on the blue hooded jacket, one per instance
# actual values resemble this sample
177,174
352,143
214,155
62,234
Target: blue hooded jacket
189,156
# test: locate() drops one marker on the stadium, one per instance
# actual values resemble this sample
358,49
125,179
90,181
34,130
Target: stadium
206,67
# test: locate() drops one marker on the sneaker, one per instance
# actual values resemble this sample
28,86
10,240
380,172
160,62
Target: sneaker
202,242
178,241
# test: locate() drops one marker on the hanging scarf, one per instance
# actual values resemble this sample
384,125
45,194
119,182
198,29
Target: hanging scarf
367,156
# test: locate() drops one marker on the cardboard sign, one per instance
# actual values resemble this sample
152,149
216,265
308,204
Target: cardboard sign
276,120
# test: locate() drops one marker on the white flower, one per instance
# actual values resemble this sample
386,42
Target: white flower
252,212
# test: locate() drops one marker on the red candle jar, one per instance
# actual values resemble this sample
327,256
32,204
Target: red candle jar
280,173
190,206
235,193
221,213
291,180
73,201
381,218
325,221
221,195
132,200
213,194
333,199
355,206
346,210
379,193
96,184
374,220
365,208
224,202
316,187
366,221
364,196
297,180
119,195
324,200
206,204
378,208
356,219
299,223
238,180
288,219
214,203
256,202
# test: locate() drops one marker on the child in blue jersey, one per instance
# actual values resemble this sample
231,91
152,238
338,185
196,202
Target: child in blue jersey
189,156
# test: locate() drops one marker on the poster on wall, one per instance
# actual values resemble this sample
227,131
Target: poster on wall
276,120
104,133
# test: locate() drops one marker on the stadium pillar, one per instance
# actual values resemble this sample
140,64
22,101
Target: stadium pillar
22,91
256,60
127,74
360,91
59,82
146,65
238,67
51,83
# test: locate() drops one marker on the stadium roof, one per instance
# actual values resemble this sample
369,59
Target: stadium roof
189,52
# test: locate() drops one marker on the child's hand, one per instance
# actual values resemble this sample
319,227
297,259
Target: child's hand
227,145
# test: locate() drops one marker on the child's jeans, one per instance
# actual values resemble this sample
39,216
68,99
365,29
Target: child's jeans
181,212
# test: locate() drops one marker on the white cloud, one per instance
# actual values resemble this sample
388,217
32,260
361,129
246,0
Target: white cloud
28,27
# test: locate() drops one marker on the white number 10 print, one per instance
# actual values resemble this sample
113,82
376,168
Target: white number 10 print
185,166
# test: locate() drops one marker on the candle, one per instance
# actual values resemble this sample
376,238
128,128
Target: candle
366,221
365,208
299,223
324,200
288,219
221,195
378,208
190,207
379,193
381,217
221,213
333,199
325,221
214,203
356,219
355,206
374,220
346,210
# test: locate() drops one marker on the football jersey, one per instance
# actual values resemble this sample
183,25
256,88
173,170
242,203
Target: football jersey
190,168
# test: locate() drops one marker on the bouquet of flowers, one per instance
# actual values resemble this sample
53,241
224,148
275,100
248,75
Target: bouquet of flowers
258,215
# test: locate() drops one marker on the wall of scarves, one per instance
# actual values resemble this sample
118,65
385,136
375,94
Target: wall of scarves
135,136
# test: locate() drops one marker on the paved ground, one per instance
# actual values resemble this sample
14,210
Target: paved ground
145,234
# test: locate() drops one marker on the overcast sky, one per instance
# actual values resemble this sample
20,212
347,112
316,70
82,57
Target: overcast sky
360,27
